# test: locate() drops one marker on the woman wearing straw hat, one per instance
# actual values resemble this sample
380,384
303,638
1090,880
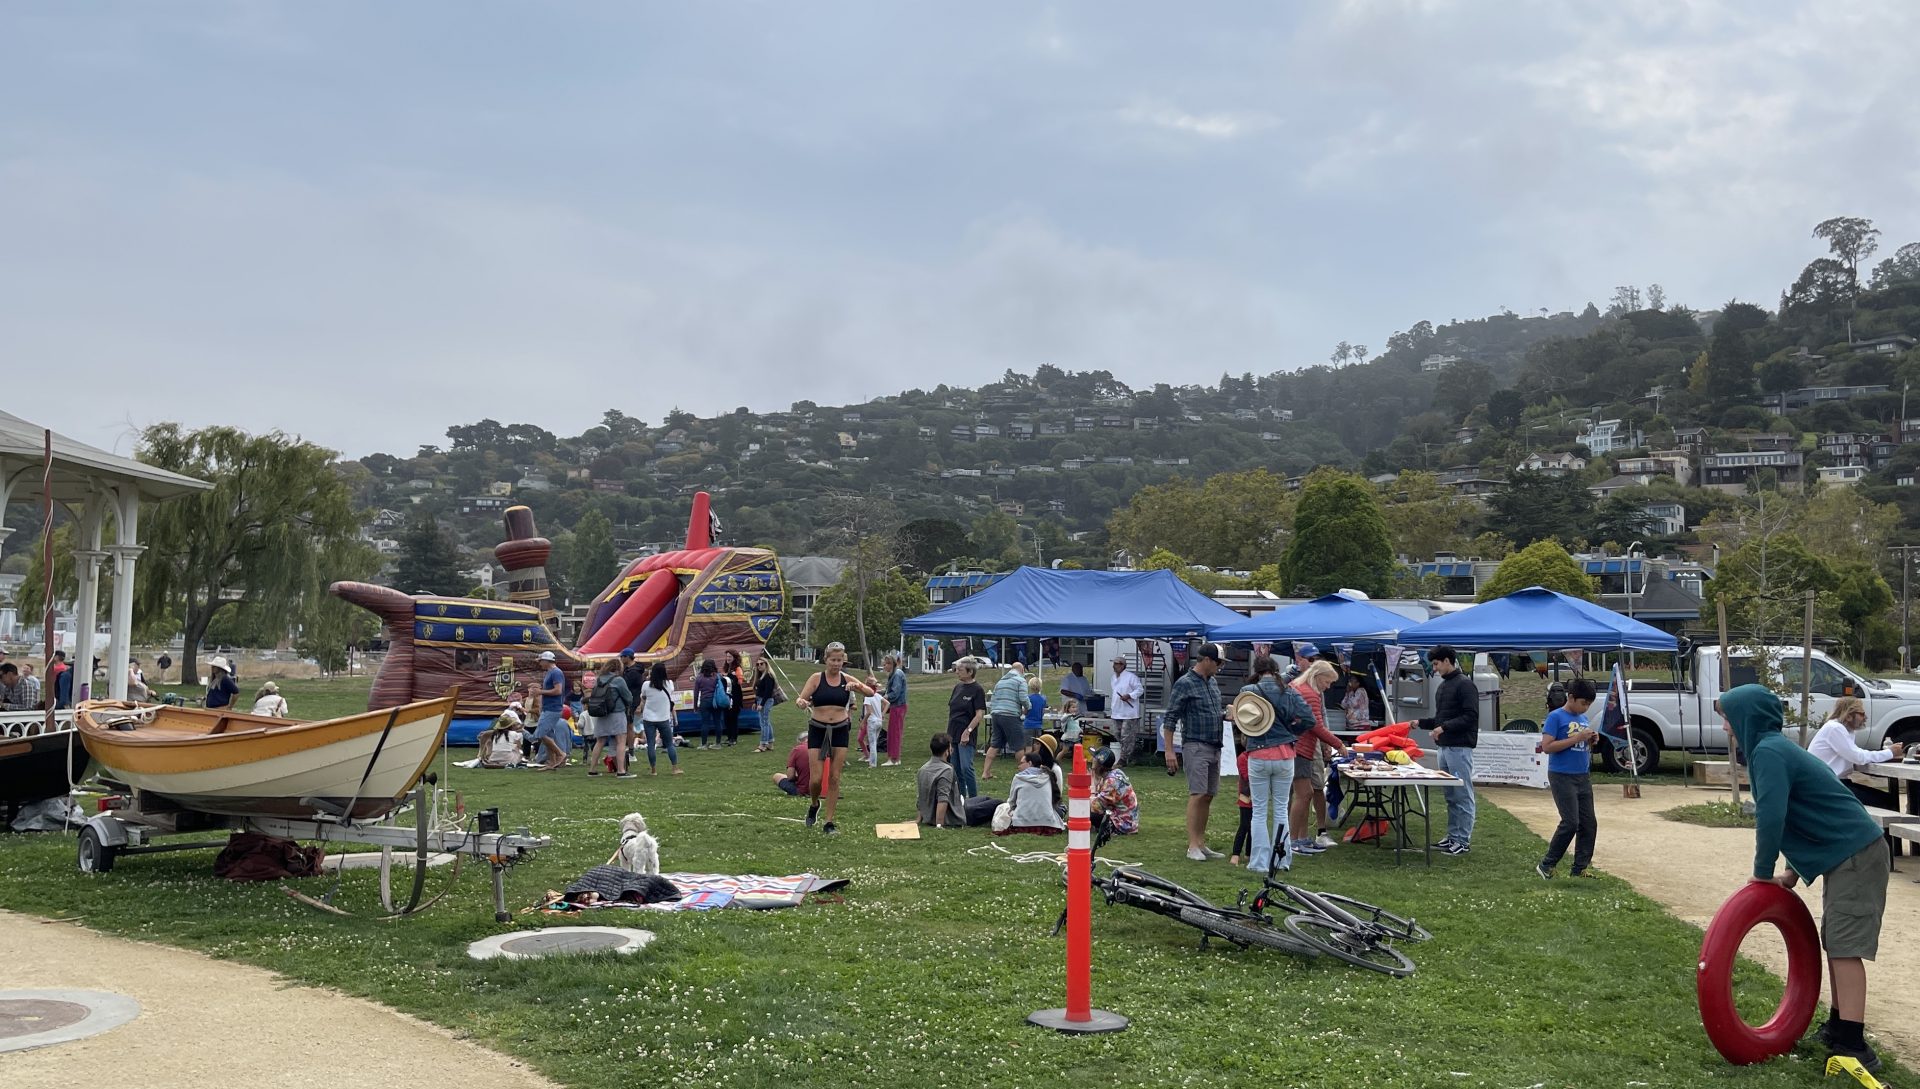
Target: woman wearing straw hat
1268,714
222,690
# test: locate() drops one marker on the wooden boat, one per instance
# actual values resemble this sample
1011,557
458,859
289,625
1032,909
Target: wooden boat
217,761
35,764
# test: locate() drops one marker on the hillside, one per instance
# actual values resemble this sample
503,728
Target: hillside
1059,452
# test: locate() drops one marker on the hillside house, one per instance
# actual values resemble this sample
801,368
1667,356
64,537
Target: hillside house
484,504
1053,427
1732,472
1000,473
1056,506
1031,469
1891,344
850,417
1116,421
1795,400
1691,439
1146,423
1117,459
1665,519
1076,463
846,441
1085,423
1850,446
1011,506
1020,432
1439,361
961,432
925,432
500,488
611,487
1552,464
1171,461
1608,436
1850,473
1665,463
1606,488
986,431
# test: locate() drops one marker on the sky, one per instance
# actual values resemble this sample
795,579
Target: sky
364,222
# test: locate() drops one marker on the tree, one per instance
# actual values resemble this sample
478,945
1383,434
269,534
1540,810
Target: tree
1902,268
595,561
926,544
1233,520
1426,517
1782,372
1341,353
429,560
1542,563
1626,299
997,535
1340,538
865,532
1618,519
1656,297
328,625
1764,584
1462,386
1852,240
275,513
1729,363
1504,408
869,618
1534,507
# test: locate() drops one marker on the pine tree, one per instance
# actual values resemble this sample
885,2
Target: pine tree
595,561
429,559
1340,538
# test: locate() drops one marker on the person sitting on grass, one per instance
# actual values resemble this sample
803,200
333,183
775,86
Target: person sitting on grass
1113,798
1032,796
500,745
937,788
1566,739
1801,811
794,780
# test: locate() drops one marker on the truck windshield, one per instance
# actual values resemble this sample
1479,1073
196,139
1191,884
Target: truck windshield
1828,680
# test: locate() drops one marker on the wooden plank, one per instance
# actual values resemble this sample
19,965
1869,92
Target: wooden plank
1904,831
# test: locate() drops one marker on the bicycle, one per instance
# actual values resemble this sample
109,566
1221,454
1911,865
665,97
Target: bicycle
1310,923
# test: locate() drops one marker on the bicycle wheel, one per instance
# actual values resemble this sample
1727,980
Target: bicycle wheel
1246,931
1341,941
1404,930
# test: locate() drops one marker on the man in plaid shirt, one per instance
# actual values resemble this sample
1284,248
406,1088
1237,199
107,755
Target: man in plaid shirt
1194,706
18,692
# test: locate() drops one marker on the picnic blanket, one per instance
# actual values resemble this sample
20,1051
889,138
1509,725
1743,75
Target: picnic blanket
707,891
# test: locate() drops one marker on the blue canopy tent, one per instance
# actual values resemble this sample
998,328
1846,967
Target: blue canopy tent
1324,619
1538,619
1039,602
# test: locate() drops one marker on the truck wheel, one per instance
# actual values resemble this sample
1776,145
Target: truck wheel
1906,733
95,856
1646,752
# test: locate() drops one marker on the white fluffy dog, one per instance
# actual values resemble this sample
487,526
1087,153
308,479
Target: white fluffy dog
639,851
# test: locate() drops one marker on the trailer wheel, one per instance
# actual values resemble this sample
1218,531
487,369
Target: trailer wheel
95,856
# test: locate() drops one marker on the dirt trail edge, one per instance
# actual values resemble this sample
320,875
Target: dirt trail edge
1691,870
217,1024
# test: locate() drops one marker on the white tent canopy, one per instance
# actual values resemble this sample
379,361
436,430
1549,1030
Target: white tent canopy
89,482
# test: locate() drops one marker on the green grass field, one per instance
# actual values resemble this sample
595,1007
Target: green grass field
923,973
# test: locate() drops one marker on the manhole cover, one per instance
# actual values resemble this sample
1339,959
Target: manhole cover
561,941
39,1018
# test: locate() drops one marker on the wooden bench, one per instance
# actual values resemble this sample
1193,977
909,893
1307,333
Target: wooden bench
1715,773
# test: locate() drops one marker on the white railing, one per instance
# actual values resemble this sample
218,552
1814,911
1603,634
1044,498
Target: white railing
29,723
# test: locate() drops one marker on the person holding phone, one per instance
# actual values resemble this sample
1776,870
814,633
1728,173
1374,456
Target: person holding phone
1567,739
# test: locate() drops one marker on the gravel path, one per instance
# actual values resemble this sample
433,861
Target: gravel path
214,1024
1691,870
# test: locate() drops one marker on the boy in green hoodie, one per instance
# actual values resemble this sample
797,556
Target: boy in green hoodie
1802,811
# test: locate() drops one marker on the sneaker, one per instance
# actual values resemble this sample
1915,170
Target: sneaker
1863,1055
829,829
677,771
1456,848
1825,1033
813,811
626,775
1545,871
595,774
1195,854
1324,841
1211,853
1442,843
1306,847
1582,873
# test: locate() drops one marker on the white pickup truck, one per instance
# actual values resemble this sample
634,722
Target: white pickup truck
1679,715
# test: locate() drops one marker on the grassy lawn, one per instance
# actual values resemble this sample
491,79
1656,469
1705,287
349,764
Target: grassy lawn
1711,815
924,974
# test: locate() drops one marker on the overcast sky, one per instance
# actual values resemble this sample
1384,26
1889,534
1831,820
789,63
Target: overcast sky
365,222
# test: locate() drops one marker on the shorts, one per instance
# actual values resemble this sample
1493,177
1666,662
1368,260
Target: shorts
1853,901
1303,769
609,725
1009,735
1203,767
1322,763
825,736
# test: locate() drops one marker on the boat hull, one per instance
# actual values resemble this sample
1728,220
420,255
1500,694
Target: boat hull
287,770
40,766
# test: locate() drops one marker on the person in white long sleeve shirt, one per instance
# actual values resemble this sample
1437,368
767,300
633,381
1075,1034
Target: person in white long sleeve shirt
1834,747
1124,709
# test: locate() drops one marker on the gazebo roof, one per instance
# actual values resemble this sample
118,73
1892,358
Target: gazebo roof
78,469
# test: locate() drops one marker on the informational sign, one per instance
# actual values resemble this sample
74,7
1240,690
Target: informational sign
1509,759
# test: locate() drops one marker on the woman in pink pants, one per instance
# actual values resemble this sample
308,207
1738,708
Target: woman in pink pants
896,692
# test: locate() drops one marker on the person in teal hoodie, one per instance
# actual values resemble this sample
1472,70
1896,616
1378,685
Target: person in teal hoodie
1802,811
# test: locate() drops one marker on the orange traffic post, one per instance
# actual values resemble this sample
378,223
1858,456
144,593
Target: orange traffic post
1079,1016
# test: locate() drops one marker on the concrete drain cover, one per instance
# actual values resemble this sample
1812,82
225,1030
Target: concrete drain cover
39,1018
560,941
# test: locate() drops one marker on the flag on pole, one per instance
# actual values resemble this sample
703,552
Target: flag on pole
1613,723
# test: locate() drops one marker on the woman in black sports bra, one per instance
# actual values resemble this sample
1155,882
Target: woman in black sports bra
828,702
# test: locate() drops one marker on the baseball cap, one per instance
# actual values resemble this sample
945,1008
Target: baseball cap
1210,650
1305,650
628,654
546,656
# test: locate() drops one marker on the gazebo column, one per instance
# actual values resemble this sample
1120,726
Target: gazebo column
87,558
126,553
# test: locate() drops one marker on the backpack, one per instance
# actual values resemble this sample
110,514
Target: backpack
1556,695
722,696
600,704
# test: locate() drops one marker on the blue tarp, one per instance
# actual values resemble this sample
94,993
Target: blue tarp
1330,618
1038,601
1538,619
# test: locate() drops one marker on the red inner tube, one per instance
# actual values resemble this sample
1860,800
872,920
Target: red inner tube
1754,905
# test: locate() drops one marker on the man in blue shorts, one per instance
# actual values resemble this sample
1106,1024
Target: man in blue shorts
551,731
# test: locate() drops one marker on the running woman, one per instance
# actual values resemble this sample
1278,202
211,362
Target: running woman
826,699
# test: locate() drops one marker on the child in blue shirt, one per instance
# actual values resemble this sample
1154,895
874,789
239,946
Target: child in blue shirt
1566,741
1036,708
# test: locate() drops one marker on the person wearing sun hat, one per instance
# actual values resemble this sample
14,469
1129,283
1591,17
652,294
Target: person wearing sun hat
1269,714
222,689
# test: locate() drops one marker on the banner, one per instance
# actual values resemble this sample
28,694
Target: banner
1509,759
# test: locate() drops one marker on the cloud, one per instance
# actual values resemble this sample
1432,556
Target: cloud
1212,126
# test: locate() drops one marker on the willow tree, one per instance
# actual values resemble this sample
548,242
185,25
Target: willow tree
264,534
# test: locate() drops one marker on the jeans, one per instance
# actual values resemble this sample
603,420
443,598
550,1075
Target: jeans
896,729
710,720
963,769
1270,785
766,725
1573,797
1457,761
665,732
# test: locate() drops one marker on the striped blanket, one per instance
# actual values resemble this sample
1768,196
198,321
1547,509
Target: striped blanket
707,891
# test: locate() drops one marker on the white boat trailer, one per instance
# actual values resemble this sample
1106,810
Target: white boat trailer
130,829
